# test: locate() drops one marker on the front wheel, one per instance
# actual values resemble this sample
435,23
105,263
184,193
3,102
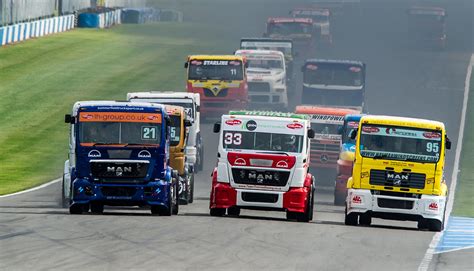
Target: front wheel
217,211
65,200
351,219
191,190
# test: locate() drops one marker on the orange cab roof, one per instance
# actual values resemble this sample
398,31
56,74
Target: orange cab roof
323,110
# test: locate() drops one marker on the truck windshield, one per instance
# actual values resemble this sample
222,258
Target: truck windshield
175,130
255,62
330,74
326,128
238,140
400,143
348,128
289,28
216,70
317,18
427,25
136,133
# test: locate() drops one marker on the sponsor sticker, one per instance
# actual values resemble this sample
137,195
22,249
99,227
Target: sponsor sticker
355,69
370,129
295,125
251,125
216,62
311,67
233,122
431,135
119,117
196,62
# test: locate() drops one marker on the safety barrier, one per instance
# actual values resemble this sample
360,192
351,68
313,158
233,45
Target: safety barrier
100,20
24,31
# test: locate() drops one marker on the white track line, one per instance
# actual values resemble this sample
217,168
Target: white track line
32,189
425,263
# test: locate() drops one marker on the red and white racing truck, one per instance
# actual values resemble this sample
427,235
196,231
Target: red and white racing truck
263,161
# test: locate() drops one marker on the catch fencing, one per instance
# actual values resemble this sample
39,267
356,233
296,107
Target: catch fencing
19,11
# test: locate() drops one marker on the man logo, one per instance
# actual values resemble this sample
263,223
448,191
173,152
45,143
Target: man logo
119,171
397,178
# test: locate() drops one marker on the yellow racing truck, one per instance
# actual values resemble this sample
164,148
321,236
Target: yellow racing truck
398,172
178,134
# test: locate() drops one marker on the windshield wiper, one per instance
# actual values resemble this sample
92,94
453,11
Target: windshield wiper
105,143
380,156
141,144
271,152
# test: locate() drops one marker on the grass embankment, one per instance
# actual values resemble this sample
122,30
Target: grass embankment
41,79
464,197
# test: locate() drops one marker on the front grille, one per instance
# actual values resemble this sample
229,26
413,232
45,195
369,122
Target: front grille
221,93
259,98
259,197
120,170
395,204
258,87
260,177
118,191
324,147
408,180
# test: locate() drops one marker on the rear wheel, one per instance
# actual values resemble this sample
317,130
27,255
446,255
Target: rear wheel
183,190
233,211
217,211
351,219
76,209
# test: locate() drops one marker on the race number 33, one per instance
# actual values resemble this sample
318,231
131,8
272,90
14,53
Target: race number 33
148,132
232,139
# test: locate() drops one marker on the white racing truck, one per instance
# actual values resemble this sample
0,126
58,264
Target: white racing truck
266,78
263,161
191,104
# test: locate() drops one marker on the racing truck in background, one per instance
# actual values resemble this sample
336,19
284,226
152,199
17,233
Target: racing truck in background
191,103
118,155
326,123
266,79
299,30
345,161
427,26
398,172
221,82
178,134
334,83
263,160
283,45
321,22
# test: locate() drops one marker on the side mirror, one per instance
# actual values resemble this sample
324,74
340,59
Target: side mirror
353,134
217,127
340,130
198,108
448,144
186,65
311,133
187,123
69,119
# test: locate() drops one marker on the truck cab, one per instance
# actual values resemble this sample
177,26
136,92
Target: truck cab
398,172
427,25
283,45
299,30
321,21
266,75
263,160
178,135
191,103
326,123
118,155
220,80
345,160
333,82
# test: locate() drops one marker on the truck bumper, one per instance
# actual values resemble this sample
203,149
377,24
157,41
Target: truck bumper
393,207
152,193
225,196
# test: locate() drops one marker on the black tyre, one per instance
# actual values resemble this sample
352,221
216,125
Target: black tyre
233,211
365,220
97,208
175,201
422,224
291,215
183,189
191,189
76,209
65,201
351,219
217,211
435,225
308,215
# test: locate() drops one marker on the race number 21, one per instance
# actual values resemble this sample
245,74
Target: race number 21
148,133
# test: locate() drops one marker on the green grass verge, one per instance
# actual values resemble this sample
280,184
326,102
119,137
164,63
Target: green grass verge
41,79
464,197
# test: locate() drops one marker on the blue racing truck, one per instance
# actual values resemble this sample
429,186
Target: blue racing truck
118,155
334,83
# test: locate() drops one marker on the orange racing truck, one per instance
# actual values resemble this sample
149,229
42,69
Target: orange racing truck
220,80
326,123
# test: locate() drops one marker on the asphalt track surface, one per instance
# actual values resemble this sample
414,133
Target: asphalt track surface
36,234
